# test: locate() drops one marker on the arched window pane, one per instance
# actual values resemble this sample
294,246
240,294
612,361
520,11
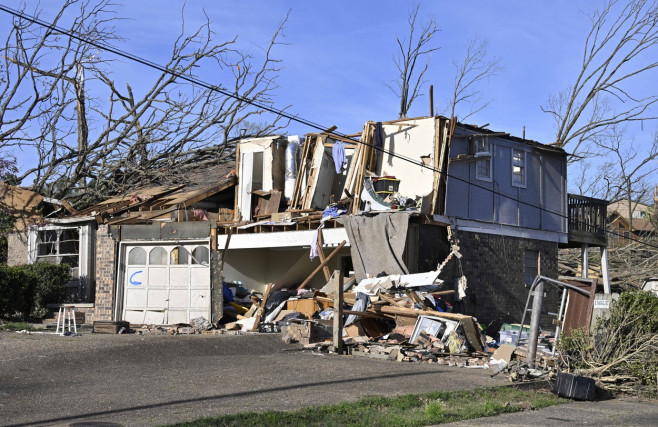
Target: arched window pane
137,256
200,255
158,256
179,256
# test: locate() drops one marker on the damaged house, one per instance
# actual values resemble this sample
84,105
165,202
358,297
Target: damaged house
482,213
501,205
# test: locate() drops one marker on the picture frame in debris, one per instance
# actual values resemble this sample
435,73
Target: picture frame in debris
432,325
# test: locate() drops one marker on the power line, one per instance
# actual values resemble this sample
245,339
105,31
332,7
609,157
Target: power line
282,113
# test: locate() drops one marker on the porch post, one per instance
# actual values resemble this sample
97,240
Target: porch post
584,260
604,269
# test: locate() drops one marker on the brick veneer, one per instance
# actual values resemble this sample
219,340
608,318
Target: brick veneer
494,267
106,248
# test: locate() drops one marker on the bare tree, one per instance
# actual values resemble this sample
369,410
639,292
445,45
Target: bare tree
413,53
95,139
619,47
475,67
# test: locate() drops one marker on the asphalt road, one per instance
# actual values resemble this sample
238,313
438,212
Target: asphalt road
155,379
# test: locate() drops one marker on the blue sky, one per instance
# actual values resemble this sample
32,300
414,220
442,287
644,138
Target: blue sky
338,54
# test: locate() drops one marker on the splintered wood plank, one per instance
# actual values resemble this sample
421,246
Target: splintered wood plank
322,264
325,269
261,307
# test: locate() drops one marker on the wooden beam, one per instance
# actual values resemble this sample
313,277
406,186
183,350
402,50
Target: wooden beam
261,308
322,264
325,269
69,208
338,311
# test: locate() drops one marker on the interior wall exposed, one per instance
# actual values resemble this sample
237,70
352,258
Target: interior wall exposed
288,268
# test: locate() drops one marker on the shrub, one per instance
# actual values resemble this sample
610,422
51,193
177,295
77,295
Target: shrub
16,291
51,279
623,352
26,289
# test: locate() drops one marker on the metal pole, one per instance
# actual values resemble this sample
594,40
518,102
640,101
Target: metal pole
537,301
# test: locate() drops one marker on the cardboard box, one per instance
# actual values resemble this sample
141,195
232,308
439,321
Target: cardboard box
308,307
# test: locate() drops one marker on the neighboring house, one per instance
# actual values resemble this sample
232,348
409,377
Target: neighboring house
26,208
484,210
633,222
145,256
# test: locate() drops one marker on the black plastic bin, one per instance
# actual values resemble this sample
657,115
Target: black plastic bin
575,387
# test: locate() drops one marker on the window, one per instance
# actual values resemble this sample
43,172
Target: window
137,256
200,255
59,247
483,164
179,256
639,214
518,168
158,256
530,266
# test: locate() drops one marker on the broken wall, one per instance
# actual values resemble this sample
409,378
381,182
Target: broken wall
494,267
261,167
255,268
410,139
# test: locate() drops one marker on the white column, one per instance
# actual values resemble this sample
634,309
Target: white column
584,260
604,269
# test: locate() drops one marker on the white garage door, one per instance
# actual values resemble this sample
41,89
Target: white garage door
166,284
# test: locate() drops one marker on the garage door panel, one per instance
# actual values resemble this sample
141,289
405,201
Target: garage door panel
200,298
134,316
157,277
136,277
179,298
177,316
154,317
200,277
135,298
179,277
157,298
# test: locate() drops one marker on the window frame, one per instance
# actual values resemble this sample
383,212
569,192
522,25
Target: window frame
58,256
536,258
522,163
481,143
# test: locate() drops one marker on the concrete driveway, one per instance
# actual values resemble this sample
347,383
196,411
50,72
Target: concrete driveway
156,379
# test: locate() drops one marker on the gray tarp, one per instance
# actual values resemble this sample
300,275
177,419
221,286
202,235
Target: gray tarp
377,243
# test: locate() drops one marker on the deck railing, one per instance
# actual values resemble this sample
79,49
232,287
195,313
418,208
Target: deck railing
587,219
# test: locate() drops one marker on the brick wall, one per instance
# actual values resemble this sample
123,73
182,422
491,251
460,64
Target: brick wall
106,248
494,267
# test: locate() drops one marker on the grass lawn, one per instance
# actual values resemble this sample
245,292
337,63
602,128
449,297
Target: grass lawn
407,410
15,326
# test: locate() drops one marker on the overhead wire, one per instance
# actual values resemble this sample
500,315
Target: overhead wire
282,113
